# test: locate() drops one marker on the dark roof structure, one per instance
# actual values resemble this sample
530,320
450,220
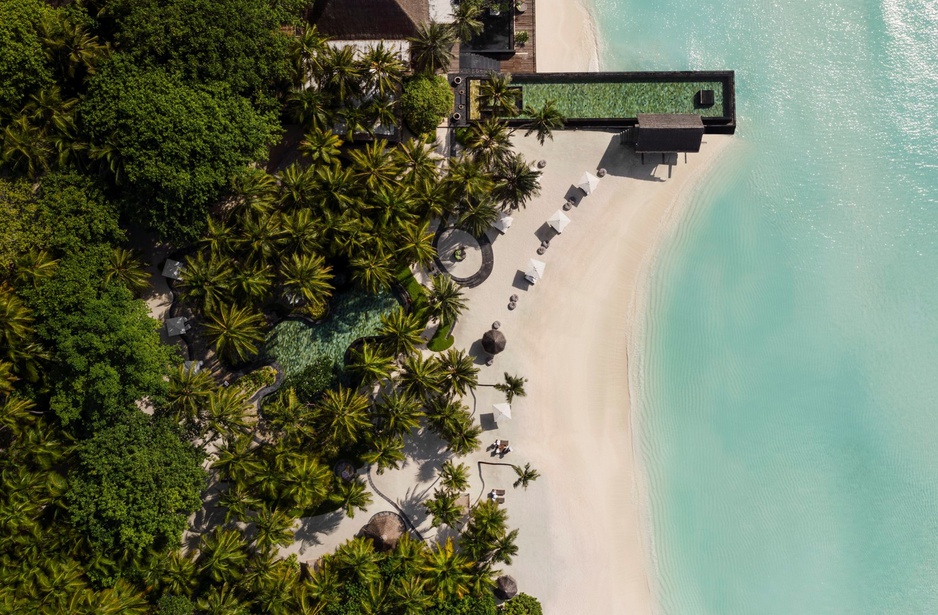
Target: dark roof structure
668,133
370,19
385,529
493,342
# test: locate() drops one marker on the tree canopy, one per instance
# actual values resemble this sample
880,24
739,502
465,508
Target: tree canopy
23,65
237,42
175,145
134,485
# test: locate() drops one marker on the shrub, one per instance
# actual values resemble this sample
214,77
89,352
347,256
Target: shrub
522,604
521,38
175,605
425,102
314,380
254,381
442,339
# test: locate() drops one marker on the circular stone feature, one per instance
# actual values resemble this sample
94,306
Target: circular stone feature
512,305
541,164
513,298
496,325
541,250
601,173
459,253
567,206
344,470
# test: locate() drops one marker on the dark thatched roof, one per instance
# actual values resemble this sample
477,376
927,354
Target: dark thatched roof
668,133
385,528
493,341
506,587
370,19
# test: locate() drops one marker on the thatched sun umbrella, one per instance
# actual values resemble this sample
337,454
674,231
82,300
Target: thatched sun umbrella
506,587
493,341
385,528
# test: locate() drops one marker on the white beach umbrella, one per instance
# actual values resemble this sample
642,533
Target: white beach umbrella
503,223
503,409
558,221
535,271
588,183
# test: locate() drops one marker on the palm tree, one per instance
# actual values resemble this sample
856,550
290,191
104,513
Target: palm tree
257,187
205,281
497,97
466,20
302,232
220,600
125,268
351,495
373,273
321,146
416,159
260,234
387,452
173,572
526,475
467,180
460,375
421,376
217,237
505,548
487,524
304,482
309,107
464,439
398,412
374,165
252,282
446,299
236,332
16,335
357,559
297,185
454,478
187,393
273,527
512,387
358,121
26,150
236,461
489,143
7,378
383,70
431,50
34,266
370,365
345,414
225,411
444,509
121,599
307,277
477,216
416,243
341,73
222,557
544,120
517,183
410,596
238,502
448,572
400,332
305,51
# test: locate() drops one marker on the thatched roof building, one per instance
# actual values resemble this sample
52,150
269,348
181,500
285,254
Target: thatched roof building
370,19
385,528
668,133
493,342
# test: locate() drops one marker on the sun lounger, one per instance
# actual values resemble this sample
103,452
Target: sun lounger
502,445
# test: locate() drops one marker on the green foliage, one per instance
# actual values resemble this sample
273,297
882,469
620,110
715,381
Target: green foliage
237,42
106,349
426,101
416,291
175,145
170,604
256,380
522,604
469,605
19,228
314,379
441,340
134,485
23,65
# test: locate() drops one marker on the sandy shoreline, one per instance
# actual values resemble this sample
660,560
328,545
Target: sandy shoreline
567,37
582,544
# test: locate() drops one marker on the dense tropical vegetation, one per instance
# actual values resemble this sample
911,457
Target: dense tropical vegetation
126,117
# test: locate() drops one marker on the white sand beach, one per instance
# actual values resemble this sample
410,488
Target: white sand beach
566,37
582,548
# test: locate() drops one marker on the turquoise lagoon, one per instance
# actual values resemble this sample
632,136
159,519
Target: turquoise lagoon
788,373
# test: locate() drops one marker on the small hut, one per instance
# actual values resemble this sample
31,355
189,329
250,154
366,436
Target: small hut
493,342
385,529
668,133
506,587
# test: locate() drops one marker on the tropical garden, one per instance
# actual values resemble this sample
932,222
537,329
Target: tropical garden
160,117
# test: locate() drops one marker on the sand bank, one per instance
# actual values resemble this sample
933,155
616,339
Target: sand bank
566,37
582,543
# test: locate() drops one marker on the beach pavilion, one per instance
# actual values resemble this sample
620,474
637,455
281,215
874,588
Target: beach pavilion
588,183
558,221
385,529
668,133
493,341
535,271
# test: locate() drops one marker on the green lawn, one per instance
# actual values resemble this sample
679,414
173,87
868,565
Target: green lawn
615,99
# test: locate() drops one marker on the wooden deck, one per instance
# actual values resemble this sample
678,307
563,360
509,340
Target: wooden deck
521,61
524,59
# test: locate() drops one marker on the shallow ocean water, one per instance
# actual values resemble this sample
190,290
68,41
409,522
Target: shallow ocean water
788,378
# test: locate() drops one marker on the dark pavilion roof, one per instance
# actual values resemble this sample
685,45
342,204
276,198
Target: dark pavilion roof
370,19
669,133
